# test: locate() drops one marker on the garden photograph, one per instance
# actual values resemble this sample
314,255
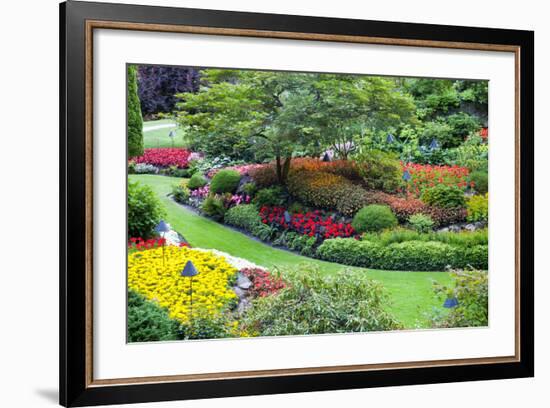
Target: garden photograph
278,203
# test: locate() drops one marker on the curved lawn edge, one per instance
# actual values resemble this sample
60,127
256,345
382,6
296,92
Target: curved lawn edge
411,293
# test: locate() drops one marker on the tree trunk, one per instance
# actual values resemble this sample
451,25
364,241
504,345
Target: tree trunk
286,168
279,169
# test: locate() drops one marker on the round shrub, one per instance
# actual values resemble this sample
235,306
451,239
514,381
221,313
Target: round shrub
271,197
225,181
144,210
244,216
481,181
213,207
316,188
313,304
373,218
421,223
444,196
352,199
197,180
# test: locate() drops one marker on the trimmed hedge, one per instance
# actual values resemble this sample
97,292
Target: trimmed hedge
408,255
197,180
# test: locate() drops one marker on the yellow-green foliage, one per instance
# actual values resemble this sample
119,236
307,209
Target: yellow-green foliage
478,208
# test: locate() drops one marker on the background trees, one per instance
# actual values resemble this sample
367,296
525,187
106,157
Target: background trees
135,120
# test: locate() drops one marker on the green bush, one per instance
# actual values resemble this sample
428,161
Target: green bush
405,256
444,196
144,210
249,189
265,232
421,223
225,181
245,216
373,218
418,256
471,289
463,239
316,304
206,327
379,170
478,208
135,120
349,251
180,193
197,180
271,197
481,181
213,207
147,321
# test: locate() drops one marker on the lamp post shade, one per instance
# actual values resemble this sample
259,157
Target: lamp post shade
450,303
162,227
288,218
172,134
406,175
189,270
390,138
434,145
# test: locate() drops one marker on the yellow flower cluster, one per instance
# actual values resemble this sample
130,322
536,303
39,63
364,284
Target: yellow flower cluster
164,284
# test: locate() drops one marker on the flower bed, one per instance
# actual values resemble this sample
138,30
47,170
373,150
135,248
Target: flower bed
162,281
164,157
426,175
263,282
311,223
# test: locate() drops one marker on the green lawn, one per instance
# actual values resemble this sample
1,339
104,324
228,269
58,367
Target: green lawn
159,137
411,292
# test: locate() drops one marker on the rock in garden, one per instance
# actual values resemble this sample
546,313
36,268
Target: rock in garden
243,282
241,293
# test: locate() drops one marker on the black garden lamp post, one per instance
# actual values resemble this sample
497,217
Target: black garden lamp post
434,145
171,135
406,175
162,228
189,271
390,139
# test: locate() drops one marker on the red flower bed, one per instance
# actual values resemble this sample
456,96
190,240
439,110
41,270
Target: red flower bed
263,283
310,223
164,157
426,175
141,244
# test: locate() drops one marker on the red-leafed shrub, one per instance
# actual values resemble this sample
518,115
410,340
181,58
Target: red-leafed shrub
344,168
310,223
243,169
263,282
164,157
425,176
263,175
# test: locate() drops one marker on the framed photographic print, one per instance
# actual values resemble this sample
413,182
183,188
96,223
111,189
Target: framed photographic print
256,203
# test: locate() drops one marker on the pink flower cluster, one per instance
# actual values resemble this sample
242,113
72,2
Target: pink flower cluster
243,169
164,157
263,283
200,192
309,223
237,199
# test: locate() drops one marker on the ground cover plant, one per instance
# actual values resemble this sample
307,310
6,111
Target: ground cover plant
307,203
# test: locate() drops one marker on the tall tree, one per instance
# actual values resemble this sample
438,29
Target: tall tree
134,118
157,85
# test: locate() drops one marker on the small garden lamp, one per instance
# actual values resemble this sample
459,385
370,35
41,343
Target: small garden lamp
406,175
171,135
189,271
288,218
390,139
434,145
162,228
